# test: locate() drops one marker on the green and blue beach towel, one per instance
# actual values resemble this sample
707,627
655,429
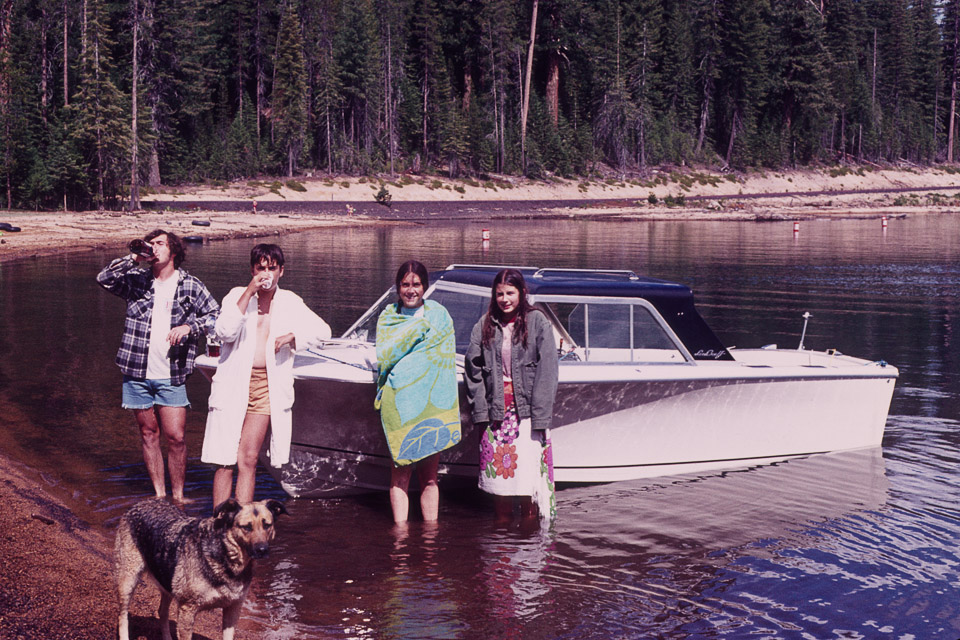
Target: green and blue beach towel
417,393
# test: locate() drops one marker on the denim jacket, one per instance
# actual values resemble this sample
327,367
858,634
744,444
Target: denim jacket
534,367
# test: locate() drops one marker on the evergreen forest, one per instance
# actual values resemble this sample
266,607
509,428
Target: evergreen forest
102,100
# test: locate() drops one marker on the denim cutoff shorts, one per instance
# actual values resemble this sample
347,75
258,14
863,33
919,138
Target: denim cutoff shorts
144,394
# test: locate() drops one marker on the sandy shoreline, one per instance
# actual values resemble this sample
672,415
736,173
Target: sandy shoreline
56,573
228,211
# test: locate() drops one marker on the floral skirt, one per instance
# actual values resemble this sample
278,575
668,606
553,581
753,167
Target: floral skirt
516,460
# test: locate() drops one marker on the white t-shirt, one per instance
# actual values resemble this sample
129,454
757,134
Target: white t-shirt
158,359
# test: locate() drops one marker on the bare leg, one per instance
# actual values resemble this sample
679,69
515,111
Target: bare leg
252,434
173,421
399,501
528,508
222,485
503,506
152,454
429,491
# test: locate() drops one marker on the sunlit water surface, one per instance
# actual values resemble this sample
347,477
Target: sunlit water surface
854,545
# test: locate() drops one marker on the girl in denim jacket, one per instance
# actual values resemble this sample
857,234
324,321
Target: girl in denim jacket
511,380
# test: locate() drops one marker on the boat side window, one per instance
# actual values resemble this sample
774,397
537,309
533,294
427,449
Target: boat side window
616,333
465,309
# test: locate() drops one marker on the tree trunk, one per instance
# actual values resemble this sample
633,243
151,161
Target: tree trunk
66,67
733,135
873,89
239,66
497,132
953,81
6,10
705,106
152,154
388,101
426,93
99,125
843,133
553,87
259,72
329,120
467,89
83,35
526,87
44,67
643,103
134,142
153,177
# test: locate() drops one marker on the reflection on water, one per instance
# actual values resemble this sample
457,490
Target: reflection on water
859,544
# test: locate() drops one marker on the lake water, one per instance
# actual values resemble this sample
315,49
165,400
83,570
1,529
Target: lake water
855,545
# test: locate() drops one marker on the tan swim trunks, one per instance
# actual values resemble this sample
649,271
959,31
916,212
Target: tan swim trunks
259,402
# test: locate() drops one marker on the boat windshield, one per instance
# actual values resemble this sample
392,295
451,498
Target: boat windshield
365,328
586,328
464,308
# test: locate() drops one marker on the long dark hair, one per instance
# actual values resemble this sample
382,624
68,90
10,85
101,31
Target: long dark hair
416,268
513,278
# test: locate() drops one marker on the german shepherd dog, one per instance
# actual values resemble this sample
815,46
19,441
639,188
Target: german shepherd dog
202,564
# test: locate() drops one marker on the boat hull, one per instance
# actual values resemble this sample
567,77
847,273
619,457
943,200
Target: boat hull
665,421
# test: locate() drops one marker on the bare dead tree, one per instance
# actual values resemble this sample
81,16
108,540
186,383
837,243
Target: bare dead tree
6,11
953,81
134,142
526,86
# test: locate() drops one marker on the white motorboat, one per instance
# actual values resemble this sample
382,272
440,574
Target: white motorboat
646,389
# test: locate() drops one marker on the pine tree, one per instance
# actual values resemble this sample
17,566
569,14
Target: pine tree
178,61
896,85
707,17
744,75
323,75
679,96
426,64
801,90
289,100
642,26
929,79
951,54
101,128
357,53
846,39
497,20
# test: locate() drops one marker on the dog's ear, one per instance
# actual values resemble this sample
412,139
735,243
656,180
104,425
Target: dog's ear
225,512
276,507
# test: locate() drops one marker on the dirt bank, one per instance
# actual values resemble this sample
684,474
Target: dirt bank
57,233
229,211
56,571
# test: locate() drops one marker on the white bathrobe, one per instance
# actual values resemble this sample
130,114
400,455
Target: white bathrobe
230,388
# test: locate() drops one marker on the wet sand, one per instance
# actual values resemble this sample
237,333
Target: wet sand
56,578
56,571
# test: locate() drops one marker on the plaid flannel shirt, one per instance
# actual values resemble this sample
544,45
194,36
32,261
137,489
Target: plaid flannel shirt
192,305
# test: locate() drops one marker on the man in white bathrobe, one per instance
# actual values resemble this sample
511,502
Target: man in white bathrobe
260,326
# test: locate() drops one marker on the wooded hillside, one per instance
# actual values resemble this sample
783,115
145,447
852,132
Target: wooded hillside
98,95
